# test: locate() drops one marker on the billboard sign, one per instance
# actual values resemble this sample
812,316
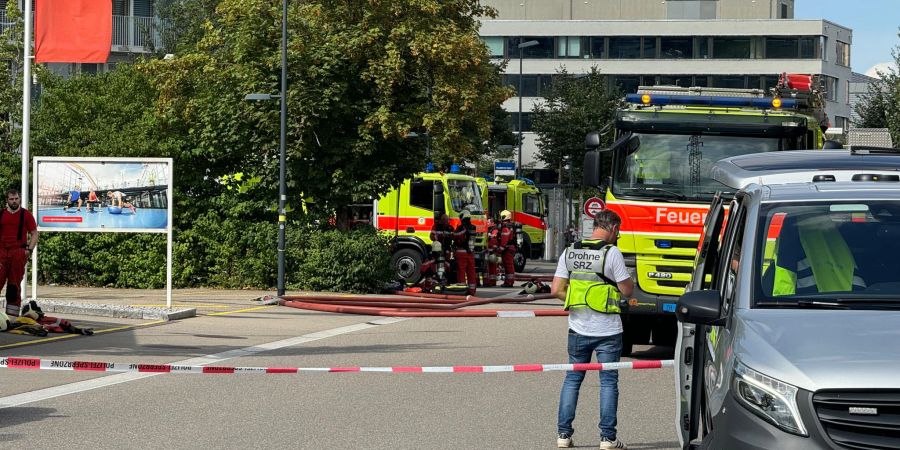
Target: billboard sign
103,194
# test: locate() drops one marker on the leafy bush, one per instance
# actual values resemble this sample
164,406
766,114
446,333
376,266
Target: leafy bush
122,260
336,261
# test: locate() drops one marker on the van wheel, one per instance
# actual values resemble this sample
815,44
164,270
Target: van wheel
407,263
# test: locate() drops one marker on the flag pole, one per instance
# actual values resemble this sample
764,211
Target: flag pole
26,119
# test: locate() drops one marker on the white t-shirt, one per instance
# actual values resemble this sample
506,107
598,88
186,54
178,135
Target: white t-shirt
586,321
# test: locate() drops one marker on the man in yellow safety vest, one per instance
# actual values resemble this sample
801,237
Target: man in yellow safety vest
591,278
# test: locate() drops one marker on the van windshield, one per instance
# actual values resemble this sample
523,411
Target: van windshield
843,251
465,194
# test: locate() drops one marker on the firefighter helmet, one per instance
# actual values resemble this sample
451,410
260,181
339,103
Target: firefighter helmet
465,214
505,215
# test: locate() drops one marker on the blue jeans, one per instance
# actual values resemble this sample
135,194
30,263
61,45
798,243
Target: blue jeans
609,349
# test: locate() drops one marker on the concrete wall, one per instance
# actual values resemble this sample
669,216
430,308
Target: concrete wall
639,9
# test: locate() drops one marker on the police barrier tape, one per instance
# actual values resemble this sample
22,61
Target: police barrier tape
93,366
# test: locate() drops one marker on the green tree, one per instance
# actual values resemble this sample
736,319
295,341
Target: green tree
880,106
575,106
362,76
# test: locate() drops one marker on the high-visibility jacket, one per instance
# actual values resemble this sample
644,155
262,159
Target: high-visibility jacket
588,286
827,264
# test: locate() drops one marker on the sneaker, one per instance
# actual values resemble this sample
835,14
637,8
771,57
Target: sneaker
607,444
563,440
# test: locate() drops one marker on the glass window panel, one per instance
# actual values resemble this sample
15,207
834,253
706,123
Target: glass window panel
676,47
675,80
769,81
701,81
494,45
526,121
597,47
843,53
624,47
628,84
649,48
544,49
731,48
421,194
808,47
648,80
574,47
562,48
729,81
703,47
782,47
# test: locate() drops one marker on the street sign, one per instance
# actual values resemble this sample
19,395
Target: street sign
507,168
593,206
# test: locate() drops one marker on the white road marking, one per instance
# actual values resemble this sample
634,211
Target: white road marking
96,383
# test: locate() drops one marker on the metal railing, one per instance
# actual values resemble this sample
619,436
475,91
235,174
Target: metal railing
132,34
138,34
5,22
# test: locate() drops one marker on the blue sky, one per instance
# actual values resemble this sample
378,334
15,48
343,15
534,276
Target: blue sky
874,22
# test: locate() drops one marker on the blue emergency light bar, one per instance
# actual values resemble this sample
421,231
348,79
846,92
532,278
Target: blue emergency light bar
706,100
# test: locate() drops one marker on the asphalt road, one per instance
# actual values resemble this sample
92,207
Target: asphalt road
322,410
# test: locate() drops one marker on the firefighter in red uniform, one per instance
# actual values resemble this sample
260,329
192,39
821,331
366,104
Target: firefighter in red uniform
492,254
508,246
18,237
464,239
441,243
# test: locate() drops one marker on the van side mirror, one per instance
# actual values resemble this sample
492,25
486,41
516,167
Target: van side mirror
700,307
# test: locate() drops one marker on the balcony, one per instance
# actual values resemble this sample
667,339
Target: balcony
134,34
130,34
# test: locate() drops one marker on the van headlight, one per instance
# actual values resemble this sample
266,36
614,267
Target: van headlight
773,400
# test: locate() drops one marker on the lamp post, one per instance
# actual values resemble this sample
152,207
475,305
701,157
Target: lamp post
522,46
282,182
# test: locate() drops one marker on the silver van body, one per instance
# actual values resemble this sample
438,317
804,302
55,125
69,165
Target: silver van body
756,369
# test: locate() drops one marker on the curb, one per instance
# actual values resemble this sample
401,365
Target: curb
117,311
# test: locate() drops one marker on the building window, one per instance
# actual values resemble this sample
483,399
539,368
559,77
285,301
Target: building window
703,47
731,48
843,53
782,47
784,11
701,81
627,84
649,48
831,88
676,80
808,47
729,81
89,69
526,122
544,49
648,80
532,85
624,47
598,47
568,47
494,45
676,47
769,82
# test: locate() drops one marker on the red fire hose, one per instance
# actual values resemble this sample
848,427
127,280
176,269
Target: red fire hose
406,306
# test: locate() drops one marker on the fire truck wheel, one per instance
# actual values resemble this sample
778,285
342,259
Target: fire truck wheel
408,265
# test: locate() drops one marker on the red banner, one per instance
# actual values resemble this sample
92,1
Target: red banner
69,31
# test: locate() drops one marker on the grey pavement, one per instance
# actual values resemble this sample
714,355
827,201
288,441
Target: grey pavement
323,410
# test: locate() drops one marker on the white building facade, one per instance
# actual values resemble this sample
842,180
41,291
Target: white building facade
714,52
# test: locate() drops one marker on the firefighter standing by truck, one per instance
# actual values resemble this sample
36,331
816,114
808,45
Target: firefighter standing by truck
509,246
492,254
464,239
